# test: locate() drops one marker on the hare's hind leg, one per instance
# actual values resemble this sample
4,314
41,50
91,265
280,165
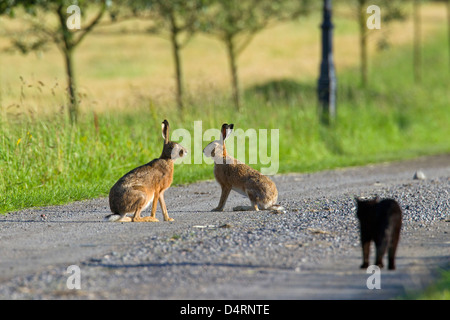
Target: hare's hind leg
246,208
253,207
137,217
253,200
141,205
124,219
116,217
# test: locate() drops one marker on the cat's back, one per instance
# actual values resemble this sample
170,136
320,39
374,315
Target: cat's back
389,207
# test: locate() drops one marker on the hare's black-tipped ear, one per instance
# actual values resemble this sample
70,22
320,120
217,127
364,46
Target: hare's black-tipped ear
165,131
223,131
230,128
226,130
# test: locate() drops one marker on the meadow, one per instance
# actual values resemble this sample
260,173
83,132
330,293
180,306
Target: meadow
127,88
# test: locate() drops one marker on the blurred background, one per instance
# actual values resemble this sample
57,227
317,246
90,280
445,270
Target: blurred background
81,107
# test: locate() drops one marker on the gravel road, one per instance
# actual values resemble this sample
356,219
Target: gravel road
310,252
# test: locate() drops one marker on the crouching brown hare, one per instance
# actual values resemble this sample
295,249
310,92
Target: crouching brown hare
145,185
231,174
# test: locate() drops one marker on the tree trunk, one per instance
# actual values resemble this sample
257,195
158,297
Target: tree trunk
67,48
233,69
177,60
417,41
72,89
363,41
448,31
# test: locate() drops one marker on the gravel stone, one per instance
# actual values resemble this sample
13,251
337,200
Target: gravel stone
310,251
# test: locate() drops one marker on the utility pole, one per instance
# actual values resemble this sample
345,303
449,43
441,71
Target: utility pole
327,80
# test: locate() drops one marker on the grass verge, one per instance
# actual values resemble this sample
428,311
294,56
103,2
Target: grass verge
439,290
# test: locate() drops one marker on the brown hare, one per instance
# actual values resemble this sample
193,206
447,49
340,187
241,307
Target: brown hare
232,174
146,184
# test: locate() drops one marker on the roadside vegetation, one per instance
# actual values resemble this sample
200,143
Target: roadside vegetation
46,160
126,88
439,290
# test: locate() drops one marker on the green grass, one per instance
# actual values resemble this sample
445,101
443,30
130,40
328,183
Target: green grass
47,161
440,290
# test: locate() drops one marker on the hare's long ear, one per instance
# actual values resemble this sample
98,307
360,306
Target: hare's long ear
230,129
223,132
226,130
165,131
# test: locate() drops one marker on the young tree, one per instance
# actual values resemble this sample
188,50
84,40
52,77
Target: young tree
236,22
417,41
390,10
41,32
448,30
175,20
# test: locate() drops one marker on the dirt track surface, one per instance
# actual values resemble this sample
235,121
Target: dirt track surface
310,252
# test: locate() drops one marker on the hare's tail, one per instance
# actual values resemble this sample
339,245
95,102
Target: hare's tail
112,217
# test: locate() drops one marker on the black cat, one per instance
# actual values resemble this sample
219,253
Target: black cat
380,221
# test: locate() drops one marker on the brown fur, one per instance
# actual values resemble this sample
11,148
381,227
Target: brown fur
232,174
145,184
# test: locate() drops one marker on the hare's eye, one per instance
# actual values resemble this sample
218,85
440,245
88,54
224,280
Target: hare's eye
181,152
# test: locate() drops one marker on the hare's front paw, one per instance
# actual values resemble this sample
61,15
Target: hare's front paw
217,209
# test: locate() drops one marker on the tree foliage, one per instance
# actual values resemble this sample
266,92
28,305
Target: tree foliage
391,10
39,32
176,20
236,22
